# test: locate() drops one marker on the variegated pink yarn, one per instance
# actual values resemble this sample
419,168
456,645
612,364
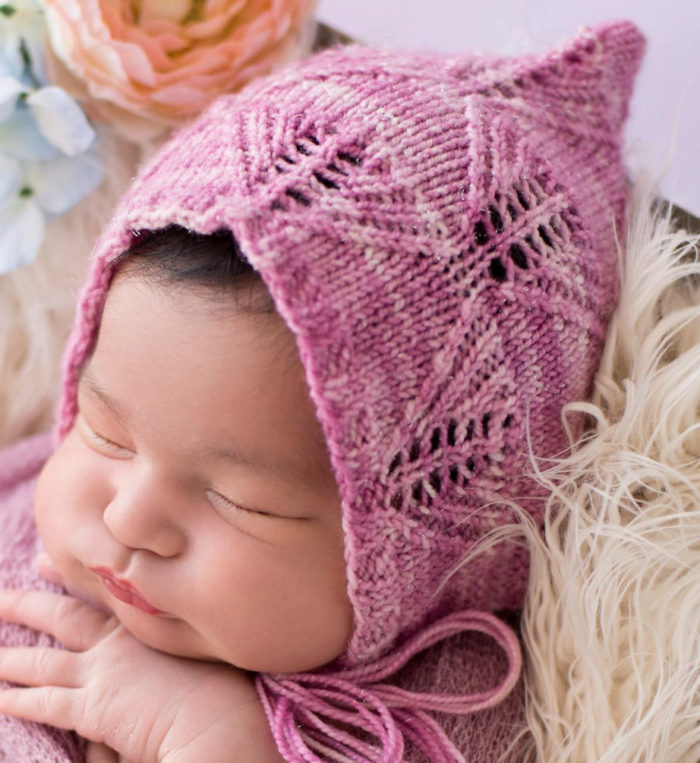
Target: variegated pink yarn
440,235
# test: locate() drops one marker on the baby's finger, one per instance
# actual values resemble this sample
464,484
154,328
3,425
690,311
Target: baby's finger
38,666
54,705
72,622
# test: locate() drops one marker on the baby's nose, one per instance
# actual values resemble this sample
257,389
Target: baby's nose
138,516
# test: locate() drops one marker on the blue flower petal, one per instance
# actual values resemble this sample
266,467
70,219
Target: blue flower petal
21,234
62,182
60,120
20,138
10,88
10,177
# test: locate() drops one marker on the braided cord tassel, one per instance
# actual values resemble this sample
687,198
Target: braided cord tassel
350,716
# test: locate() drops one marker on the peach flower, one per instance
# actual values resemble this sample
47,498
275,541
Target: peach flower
162,61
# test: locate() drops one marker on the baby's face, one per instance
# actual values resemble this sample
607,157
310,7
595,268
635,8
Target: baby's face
194,496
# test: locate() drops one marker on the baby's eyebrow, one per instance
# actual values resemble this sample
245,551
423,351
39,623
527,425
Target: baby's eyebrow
101,394
252,461
305,470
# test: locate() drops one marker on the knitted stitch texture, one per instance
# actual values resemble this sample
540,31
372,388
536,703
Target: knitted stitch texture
439,233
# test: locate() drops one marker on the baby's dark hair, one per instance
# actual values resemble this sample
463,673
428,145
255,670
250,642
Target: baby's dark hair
212,262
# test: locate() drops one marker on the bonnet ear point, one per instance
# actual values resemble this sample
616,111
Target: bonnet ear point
624,46
604,59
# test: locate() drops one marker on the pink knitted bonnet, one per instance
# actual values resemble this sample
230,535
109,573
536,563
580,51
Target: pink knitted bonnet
439,233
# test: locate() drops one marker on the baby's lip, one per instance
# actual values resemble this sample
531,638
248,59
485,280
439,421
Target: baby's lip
125,591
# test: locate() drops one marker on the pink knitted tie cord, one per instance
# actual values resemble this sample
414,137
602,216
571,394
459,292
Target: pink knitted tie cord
300,706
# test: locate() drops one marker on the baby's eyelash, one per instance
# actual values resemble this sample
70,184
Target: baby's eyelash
220,502
105,444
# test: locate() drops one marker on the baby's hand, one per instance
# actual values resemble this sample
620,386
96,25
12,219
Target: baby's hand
121,694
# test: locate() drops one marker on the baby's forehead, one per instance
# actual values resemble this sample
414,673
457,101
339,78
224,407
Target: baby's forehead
238,370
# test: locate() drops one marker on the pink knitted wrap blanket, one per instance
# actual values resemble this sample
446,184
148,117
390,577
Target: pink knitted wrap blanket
20,464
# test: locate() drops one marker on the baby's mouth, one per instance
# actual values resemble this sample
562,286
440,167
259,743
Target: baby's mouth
125,591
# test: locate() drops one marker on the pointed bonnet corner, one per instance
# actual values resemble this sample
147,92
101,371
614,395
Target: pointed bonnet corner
590,78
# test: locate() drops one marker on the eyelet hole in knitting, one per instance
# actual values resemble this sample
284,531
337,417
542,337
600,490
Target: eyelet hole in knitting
470,431
545,236
326,182
481,235
497,271
417,491
496,219
344,156
395,463
452,432
522,200
332,167
516,253
298,196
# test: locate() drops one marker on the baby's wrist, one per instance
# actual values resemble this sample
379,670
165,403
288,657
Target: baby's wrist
242,733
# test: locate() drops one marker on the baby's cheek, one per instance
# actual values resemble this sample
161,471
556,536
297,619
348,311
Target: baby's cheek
59,496
49,496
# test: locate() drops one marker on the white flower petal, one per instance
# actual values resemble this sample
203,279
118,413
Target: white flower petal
10,55
20,138
26,25
60,120
62,182
10,88
10,177
21,234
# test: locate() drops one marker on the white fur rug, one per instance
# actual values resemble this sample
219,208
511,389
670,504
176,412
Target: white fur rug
612,620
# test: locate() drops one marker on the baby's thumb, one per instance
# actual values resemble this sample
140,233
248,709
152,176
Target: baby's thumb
45,567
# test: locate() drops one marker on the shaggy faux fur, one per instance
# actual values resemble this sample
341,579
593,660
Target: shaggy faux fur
612,620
